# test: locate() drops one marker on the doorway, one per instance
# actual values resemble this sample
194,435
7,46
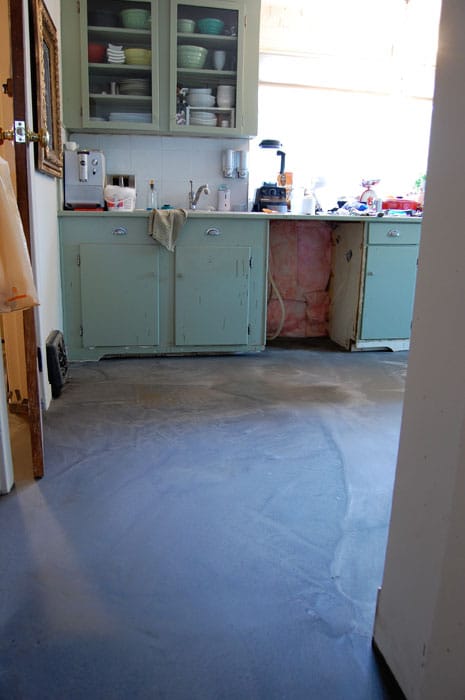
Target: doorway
18,329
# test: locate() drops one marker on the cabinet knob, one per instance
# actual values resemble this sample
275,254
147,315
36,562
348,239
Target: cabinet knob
213,231
393,233
120,231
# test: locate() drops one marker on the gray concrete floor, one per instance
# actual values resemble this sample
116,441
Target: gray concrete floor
208,528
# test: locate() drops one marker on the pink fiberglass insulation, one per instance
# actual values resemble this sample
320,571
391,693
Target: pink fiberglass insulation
300,262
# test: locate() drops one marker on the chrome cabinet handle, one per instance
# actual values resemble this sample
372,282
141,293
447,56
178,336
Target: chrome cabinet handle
120,231
213,232
393,233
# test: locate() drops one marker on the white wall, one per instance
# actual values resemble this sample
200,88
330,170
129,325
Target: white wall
172,162
420,622
44,229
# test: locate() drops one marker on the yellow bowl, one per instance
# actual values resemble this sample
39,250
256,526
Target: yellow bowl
139,57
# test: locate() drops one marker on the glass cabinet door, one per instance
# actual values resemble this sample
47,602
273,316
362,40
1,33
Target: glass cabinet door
206,56
120,50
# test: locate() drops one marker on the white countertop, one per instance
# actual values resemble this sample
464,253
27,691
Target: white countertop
201,214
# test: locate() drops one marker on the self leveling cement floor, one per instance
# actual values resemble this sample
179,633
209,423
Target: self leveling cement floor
208,528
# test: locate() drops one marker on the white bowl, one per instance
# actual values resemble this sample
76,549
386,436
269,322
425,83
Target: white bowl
200,91
200,100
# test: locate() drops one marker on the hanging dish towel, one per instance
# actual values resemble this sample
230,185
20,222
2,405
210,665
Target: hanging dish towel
165,224
17,289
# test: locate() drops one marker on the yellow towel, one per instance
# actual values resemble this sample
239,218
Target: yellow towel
165,224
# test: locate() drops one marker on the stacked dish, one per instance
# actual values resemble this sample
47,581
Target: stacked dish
199,91
138,57
134,86
115,54
191,56
203,119
135,18
145,117
225,95
186,26
196,99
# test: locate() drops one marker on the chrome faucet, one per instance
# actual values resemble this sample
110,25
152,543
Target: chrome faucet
194,198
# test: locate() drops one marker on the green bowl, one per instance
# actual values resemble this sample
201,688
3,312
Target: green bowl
210,25
192,56
135,18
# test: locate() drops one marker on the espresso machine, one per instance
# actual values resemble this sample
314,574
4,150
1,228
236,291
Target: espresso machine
84,179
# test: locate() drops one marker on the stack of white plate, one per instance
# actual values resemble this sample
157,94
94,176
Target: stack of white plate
134,86
200,91
145,117
203,119
115,54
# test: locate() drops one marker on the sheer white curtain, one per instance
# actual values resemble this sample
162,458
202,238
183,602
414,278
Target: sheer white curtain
347,87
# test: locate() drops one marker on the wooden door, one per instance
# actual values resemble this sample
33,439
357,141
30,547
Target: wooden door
19,328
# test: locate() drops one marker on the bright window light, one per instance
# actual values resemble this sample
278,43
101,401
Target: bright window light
347,87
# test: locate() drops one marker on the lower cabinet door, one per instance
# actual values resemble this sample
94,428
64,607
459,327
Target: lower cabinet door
388,296
212,291
119,295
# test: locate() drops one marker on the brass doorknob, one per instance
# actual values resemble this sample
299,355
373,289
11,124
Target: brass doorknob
42,137
6,135
21,134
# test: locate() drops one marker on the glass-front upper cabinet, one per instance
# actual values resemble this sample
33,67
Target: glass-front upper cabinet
119,51
211,43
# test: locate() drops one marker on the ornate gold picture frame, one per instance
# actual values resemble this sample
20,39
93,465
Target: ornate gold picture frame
49,157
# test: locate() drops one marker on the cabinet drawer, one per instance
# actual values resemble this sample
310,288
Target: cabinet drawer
394,233
222,231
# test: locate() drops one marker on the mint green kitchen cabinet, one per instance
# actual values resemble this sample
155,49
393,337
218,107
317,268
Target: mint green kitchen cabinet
373,284
237,39
124,294
104,95
119,282
220,284
114,286
141,94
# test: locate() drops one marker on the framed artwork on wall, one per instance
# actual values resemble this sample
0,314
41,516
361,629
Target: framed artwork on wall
48,99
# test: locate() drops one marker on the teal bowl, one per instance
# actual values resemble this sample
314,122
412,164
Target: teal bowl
210,25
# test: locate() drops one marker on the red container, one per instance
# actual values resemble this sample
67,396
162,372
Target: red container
96,53
400,203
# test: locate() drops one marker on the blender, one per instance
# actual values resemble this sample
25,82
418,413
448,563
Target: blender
273,195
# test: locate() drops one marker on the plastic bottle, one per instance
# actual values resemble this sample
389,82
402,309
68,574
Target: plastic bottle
152,196
309,204
224,198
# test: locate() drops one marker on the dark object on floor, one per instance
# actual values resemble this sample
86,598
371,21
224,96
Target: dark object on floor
57,362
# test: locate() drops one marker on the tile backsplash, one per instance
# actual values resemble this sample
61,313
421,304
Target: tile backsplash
171,162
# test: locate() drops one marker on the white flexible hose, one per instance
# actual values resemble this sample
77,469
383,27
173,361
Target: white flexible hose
281,303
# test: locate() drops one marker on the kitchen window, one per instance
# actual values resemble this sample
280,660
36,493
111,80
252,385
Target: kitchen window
347,88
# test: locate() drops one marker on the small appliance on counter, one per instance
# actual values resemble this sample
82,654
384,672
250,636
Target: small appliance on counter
84,179
271,195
